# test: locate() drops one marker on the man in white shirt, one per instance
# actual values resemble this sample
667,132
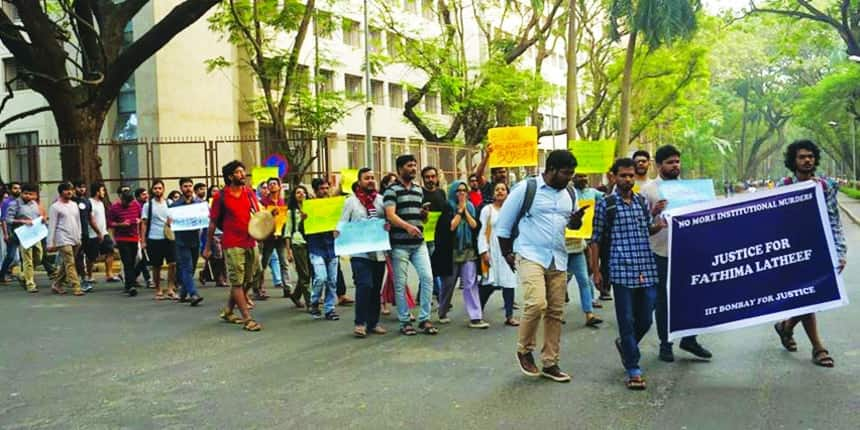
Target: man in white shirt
155,243
64,236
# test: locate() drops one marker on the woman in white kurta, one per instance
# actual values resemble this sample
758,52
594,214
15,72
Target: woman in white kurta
496,272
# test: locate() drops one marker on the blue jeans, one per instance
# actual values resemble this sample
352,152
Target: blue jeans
662,309
325,277
185,270
401,256
576,268
10,258
275,266
633,310
367,276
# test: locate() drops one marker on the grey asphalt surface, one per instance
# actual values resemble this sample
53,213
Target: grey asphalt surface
106,361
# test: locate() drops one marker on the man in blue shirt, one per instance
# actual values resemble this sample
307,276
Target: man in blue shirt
11,253
541,258
632,269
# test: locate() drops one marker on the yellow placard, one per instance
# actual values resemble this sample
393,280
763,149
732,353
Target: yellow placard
430,226
262,174
513,146
587,228
323,214
280,215
593,156
347,177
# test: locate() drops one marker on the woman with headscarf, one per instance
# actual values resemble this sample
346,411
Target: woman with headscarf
456,255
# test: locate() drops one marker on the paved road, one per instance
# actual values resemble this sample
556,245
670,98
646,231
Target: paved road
107,361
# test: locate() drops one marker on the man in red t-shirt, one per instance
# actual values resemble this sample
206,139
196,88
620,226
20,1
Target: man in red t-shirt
231,212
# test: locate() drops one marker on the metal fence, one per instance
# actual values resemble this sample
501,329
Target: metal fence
138,163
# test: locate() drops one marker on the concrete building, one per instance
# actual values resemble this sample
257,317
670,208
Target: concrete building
176,119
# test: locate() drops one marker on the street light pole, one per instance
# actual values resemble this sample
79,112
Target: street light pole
368,106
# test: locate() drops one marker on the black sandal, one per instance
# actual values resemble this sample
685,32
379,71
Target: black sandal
821,357
427,328
785,337
408,330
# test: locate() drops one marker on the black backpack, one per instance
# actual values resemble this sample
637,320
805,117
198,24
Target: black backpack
528,200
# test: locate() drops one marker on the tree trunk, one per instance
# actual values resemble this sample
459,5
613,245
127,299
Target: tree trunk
623,147
79,130
572,94
741,147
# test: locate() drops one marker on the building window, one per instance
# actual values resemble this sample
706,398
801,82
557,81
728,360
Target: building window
427,10
411,6
375,40
355,150
395,96
325,24
23,156
351,33
10,10
326,81
431,101
395,45
377,91
12,70
352,85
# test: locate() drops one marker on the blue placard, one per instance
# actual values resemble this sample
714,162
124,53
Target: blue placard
685,192
359,237
279,161
751,259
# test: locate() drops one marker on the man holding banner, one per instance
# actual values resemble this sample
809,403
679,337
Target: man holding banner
668,160
368,268
802,157
187,245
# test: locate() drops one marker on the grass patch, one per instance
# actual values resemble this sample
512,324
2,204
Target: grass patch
851,192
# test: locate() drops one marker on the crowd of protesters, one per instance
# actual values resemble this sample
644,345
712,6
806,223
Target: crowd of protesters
491,235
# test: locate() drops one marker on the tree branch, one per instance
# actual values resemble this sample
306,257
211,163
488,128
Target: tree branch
135,54
24,114
310,10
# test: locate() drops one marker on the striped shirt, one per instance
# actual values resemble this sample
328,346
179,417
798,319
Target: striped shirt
407,204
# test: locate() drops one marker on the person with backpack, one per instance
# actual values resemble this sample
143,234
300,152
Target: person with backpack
531,228
231,213
622,223
668,160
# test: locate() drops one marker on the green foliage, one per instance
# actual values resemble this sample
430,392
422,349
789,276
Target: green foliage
660,22
854,193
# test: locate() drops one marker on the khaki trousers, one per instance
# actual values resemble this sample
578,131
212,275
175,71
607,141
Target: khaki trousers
543,291
67,273
29,259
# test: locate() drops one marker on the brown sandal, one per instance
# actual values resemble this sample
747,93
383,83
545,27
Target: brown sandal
785,337
230,317
635,383
821,357
359,331
251,325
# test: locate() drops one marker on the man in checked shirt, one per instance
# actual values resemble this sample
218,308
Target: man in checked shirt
632,269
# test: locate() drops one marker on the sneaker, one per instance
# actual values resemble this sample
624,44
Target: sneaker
332,316
444,320
666,353
695,348
132,292
87,286
554,373
479,324
315,313
527,364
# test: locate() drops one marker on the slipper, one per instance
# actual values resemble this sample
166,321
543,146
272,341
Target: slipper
597,305
159,297
408,330
230,317
359,331
427,328
593,322
512,322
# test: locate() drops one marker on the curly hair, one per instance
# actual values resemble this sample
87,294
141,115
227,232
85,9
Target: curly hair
791,153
